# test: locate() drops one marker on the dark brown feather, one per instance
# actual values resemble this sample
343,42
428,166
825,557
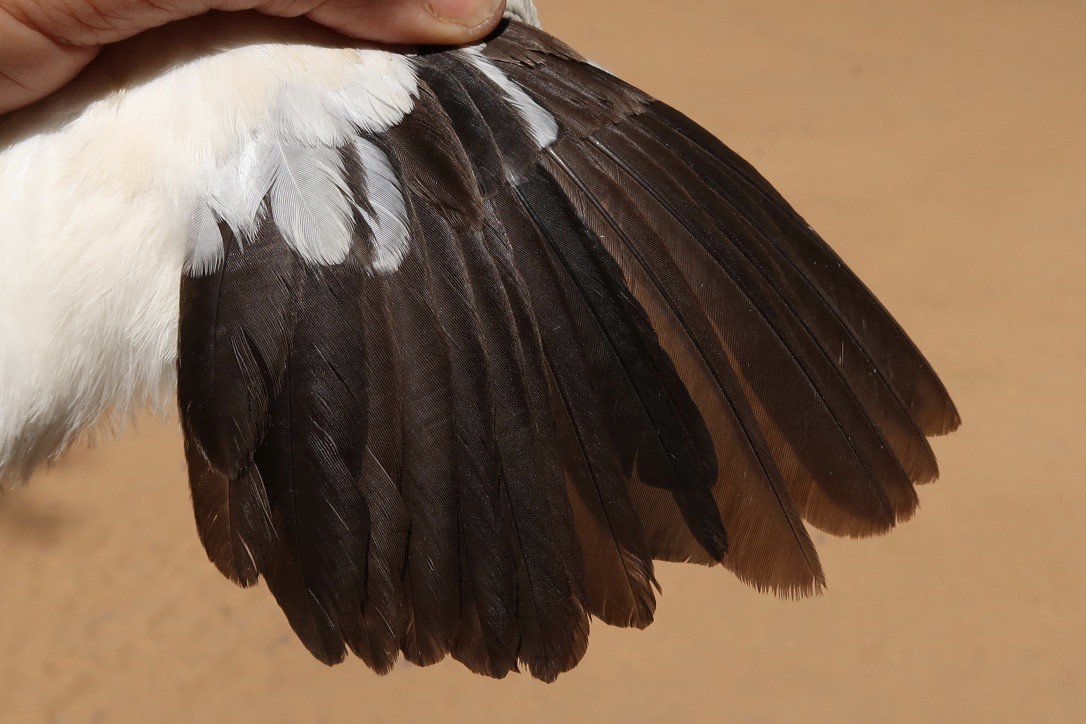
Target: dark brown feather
815,311
552,607
429,484
487,640
489,637
608,528
768,543
685,464
837,463
313,457
895,355
612,541
378,634
234,328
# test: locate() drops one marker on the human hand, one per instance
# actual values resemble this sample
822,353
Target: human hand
45,43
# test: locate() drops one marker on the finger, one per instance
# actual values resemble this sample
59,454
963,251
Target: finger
43,45
32,63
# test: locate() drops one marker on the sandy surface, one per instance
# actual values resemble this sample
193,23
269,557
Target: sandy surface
939,146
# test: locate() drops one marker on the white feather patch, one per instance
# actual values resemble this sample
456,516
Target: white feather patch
543,125
522,10
304,114
205,250
389,218
310,202
378,90
237,188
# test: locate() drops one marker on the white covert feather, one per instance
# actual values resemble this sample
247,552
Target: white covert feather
310,202
522,10
205,241
236,188
304,113
389,218
543,125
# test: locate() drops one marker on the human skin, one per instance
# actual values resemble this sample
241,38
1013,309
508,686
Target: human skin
45,43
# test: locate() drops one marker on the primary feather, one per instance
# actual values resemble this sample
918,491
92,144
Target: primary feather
465,339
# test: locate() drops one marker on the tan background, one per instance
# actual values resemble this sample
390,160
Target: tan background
939,146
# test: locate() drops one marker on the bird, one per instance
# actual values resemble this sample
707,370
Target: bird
461,340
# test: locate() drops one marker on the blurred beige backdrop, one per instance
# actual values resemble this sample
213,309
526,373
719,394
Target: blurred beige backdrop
939,146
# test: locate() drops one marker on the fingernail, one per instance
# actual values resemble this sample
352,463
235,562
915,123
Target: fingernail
469,14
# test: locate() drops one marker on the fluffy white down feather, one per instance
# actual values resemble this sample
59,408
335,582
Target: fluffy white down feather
103,185
522,10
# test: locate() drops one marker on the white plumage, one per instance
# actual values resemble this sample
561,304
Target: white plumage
388,219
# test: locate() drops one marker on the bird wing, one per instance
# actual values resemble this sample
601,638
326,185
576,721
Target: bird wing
451,386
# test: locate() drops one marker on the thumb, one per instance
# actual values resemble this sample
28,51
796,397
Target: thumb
409,21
